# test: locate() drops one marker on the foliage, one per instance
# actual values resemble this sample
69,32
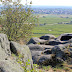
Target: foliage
26,64
46,67
18,21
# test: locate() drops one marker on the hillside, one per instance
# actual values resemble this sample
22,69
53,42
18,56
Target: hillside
52,24
52,9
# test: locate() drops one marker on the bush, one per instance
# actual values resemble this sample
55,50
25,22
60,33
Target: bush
17,21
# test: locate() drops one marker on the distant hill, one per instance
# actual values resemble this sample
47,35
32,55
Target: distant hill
52,9
49,9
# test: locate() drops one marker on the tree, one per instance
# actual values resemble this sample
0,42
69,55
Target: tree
18,20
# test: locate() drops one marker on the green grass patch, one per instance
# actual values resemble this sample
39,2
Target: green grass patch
52,19
55,29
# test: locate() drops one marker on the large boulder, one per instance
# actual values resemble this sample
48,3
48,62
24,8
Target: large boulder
48,37
61,52
7,64
51,50
40,58
64,37
4,47
23,50
39,52
10,66
47,51
46,46
36,55
53,42
36,40
46,59
35,47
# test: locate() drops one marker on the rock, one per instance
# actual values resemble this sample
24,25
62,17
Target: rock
45,59
5,44
42,59
64,37
58,50
61,52
36,40
3,55
70,40
70,44
4,47
36,55
10,66
70,50
53,42
47,37
53,51
46,47
23,50
47,51
35,59
35,47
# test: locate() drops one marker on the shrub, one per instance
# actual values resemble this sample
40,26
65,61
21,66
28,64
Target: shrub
18,21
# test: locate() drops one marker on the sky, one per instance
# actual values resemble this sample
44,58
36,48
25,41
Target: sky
51,2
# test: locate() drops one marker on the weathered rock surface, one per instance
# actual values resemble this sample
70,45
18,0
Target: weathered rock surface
64,37
53,50
36,40
54,42
10,66
35,47
47,37
16,48
4,47
36,55
9,63
46,46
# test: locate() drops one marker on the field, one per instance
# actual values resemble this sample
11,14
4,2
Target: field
52,25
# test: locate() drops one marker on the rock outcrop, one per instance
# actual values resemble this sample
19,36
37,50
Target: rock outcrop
53,50
36,40
45,50
4,47
8,63
47,37
10,66
24,51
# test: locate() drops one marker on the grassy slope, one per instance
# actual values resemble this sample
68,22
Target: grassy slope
51,19
56,29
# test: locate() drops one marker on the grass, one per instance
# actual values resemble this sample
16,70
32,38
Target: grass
56,30
52,26
52,19
59,68
49,68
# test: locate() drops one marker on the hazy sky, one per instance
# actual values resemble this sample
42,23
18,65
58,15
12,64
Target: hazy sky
51,2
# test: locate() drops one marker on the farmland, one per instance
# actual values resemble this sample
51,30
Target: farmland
54,24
